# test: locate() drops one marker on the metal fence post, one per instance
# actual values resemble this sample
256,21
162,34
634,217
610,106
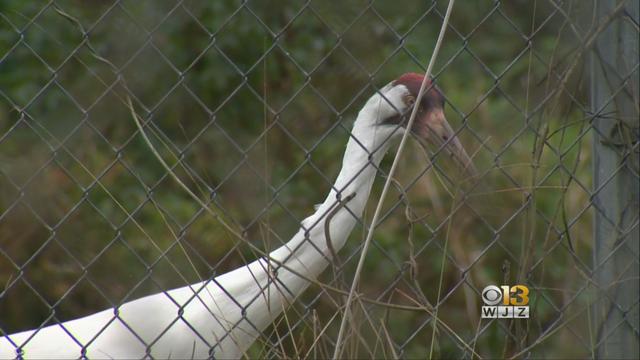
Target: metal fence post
614,102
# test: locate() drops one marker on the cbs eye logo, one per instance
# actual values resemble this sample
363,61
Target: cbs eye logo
505,301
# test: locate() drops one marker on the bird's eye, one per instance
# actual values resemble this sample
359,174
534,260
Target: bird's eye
409,100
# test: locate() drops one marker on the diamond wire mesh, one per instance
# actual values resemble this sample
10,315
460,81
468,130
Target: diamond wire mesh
251,104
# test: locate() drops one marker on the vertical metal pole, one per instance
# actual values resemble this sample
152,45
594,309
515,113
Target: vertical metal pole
616,184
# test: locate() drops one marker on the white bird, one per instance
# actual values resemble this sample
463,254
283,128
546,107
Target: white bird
222,317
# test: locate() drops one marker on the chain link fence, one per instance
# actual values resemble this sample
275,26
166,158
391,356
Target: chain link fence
250,105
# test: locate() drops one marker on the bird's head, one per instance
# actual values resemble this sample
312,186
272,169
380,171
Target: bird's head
391,107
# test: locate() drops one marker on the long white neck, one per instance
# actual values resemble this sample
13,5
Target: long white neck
307,254
223,317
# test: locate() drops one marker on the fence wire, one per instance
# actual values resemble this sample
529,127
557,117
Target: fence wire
250,106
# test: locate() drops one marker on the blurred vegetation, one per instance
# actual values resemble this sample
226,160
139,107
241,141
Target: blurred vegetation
257,101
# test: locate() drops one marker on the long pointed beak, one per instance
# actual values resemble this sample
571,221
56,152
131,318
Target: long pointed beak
434,129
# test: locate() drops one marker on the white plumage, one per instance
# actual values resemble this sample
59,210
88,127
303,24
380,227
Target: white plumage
222,317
